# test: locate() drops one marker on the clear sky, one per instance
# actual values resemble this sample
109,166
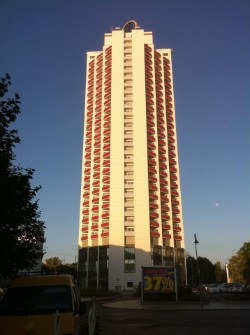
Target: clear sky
43,47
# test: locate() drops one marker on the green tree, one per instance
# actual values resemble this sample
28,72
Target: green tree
239,265
220,273
200,271
53,263
21,230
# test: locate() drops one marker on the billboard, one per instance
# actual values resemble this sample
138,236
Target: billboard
158,279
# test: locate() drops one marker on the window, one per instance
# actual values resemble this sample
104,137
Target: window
130,284
129,259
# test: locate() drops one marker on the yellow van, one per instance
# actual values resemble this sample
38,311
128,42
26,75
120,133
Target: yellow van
42,305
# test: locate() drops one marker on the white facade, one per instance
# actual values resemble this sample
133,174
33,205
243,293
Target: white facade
131,212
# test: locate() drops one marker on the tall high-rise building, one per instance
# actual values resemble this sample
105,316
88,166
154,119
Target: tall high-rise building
131,211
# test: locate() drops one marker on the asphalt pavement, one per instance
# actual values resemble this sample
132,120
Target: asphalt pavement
213,305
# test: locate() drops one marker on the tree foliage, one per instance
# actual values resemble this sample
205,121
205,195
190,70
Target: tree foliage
220,273
21,230
200,271
55,265
239,265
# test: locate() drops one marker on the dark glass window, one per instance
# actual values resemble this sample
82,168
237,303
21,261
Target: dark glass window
129,259
36,300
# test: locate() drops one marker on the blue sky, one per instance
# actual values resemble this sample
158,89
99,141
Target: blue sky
43,47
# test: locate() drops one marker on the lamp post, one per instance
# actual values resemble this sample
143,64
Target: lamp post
198,268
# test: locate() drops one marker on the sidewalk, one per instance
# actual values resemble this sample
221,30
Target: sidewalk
136,304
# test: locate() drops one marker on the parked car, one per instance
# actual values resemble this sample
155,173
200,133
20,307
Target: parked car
236,288
42,305
213,288
223,288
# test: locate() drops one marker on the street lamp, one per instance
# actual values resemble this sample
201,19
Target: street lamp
195,243
198,268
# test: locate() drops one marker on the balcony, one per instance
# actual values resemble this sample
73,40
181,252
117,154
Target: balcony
174,193
165,217
160,118
161,135
167,84
97,129
164,199
94,236
153,205
164,190
154,234
163,174
150,130
105,171
159,106
106,155
171,154
166,226
154,224
96,183
151,138
97,136
152,187
151,123
97,167
165,235
106,162
85,212
149,101
171,146
150,115
174,185
150,108
105,234
106,188
173,177
106,131
163,165
165,208
162,150
154,215
175,210
172,161
177,238
106,139
176,228
105,224
106,147
84,238
106,179
106,197
153,196
177,220
95,192
152,162
96,144
151,154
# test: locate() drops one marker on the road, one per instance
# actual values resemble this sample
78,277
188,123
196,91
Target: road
113,321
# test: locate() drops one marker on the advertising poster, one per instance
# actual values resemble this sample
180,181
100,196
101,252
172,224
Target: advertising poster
158,279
